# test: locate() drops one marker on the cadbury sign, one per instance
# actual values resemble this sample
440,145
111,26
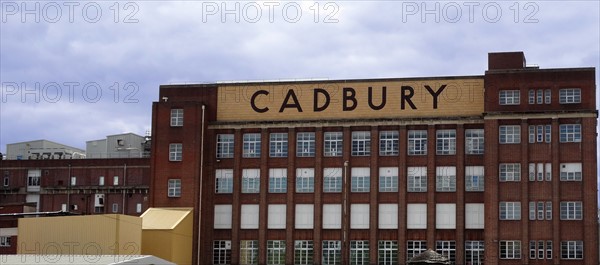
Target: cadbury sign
350,100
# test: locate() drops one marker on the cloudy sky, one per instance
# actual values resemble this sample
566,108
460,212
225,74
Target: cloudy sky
78,71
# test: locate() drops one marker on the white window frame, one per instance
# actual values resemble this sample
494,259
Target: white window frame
249,216
446,142
360,179
417,179
248,251
571,172
388,179
509,134
361,143
331,252
475,178
416,216
305,144
509,97
115,207
359,216
571,250
474,141
359,252
251,180
510,211
510,249
445,216
332,216
417,142
414,248
388,216
304,216
5,241
333,144
225,145
224,181
223,216
332,179
445,179
278,144
222,252
571,210
251,145
276,218
175,152
174,188
305,180
303,252
277,180
101,181
509,172
387,252
570,133
276,252
474,216
474,252
569,96
389,143
446,248
176,117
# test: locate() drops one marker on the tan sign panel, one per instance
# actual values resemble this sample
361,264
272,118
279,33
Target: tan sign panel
350,100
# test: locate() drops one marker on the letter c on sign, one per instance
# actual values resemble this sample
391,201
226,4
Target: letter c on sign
253,99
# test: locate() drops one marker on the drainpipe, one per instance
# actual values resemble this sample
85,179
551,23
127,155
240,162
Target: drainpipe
124,187
200,188
69,191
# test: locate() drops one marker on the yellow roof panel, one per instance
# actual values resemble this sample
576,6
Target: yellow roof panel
163,218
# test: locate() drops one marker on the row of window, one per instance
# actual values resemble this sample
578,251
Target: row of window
511,249
4,241
540,172
361,143
511,134
34,179
331,251
569,210
540,96
416,216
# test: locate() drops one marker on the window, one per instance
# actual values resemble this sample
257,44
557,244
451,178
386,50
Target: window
251,145
571,249
388,143
387,252
6,181
332,252
540,210
446,248
474,252
359,216
446,142
416,216
276,216
332,216
548,210
249,216
510,172
531,96
361,143
175,152
540,171
33,179
570,172
222,252
304,216
388,216
251,180
115,180
224,181
540,133
303,252
101,181
510,97
278,180
571,211
540,249
361,179
278,145
510,249
224,145
174,188
445,216
474,216
414,248
540,96
474,141
547,96
417,142
417,179
474,178
532,249
570,133
115,207
305,144
388,179
176,117
333,143
332,180
73,181
548,249
223,216
510,134
305,180
4,241
359,252
510,211
569,96
248,251
275,252
445,179
138,208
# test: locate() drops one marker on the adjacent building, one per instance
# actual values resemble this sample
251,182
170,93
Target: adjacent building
42,149
499,167
125,145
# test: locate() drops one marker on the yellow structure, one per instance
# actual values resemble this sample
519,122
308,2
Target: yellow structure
167,234
109,234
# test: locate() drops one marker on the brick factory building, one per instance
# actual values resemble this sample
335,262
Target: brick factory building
497,168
